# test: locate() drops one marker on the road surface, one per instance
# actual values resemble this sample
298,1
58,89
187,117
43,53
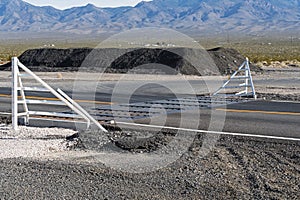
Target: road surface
253,117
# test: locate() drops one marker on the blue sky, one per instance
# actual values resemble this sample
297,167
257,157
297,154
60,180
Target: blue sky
63,4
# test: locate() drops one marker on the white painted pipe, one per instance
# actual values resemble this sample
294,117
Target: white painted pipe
82,110
14,93
63,97
56,94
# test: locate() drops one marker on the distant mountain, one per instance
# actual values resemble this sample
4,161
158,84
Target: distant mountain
198,16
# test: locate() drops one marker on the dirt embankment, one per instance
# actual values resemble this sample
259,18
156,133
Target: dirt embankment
179,60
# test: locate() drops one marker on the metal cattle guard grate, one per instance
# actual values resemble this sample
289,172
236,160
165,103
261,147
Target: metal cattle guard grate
64,99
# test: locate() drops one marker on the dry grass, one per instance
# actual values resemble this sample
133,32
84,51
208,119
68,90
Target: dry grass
258,50
262,50
17,47
276,51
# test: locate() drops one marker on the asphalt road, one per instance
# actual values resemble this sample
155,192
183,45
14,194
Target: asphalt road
281,119
254,117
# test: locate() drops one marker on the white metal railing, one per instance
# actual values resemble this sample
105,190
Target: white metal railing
243,74
63,99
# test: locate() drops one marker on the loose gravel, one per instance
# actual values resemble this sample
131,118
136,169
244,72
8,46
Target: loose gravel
28,142
236,168
54,164
279,97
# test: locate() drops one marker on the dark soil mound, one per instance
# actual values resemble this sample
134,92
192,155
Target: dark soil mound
228,60
178,60
52,59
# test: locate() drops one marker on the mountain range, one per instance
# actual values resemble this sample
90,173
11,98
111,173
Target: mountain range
192,16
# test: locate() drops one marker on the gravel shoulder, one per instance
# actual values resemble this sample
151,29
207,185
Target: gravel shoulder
28,142
54,164
236,167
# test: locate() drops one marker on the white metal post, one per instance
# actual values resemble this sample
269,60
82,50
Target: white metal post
247,78
233,75
82,110
51,90
14,93
60,95
251,81
247,72
25,107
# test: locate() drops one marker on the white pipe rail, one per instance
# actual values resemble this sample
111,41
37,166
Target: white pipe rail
248,81
14,92
26,118
62,96
82,110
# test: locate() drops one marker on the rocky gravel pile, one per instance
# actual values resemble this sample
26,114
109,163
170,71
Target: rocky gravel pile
128,140
237,167
122,60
